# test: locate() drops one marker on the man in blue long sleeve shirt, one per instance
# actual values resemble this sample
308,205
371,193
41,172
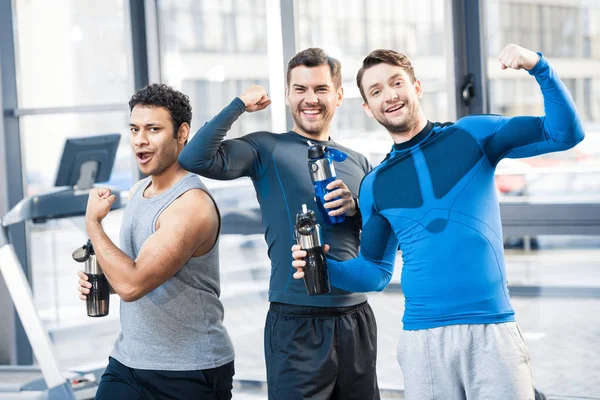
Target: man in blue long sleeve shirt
320,347
435,196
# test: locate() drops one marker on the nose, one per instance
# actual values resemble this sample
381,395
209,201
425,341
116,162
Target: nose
311,97
140,139
390,94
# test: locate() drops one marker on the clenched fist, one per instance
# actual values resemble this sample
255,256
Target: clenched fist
99,203
517,57
255,98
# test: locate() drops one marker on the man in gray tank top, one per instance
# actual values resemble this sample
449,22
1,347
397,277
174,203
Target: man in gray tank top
172,342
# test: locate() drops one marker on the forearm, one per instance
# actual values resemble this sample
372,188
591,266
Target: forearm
360,275
118,268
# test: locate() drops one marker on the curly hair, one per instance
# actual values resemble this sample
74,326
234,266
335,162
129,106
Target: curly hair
315,57
161,95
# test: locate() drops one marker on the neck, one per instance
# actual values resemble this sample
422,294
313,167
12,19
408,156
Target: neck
322,136
401,137
167,178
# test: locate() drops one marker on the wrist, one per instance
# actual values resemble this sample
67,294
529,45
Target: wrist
534,61
92,222
355,210
243,100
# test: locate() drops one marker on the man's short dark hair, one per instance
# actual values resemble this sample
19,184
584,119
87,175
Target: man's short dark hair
315,57
381,56
161,95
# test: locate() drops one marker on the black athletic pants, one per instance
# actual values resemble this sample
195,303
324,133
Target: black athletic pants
121,382
321,353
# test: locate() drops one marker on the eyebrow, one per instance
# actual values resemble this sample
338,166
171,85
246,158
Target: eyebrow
150,125
391,79
296,85
395,76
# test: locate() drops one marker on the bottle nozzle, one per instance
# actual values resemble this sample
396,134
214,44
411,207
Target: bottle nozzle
304,209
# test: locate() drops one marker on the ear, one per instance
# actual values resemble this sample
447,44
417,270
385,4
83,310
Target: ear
368,110
418,88
340,96
287,92
183,133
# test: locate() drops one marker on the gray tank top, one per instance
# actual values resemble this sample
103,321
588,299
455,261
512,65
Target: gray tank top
179,325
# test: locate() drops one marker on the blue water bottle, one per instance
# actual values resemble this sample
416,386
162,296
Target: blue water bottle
322,172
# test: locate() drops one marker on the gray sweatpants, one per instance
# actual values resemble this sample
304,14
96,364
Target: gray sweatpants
459,362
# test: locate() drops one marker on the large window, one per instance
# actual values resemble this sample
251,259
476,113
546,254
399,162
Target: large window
74,64
72,52
568,34
213,51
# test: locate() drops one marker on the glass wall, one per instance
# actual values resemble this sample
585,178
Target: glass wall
213,51
71,56
568,34
71,53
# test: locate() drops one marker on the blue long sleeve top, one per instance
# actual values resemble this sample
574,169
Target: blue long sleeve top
435,197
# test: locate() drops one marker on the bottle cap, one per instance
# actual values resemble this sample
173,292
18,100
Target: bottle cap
317,151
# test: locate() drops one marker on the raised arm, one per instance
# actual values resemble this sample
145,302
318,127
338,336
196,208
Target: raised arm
559,129
207,154
188,227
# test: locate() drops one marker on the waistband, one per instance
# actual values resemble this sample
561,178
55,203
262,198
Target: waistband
290,309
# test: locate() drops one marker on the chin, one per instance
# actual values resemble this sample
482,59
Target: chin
145,170
315,129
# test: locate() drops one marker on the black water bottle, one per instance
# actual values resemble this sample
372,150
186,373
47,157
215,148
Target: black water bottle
308,235
98,299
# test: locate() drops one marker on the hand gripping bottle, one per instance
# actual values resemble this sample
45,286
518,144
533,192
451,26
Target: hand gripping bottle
308,235
99,296
322,172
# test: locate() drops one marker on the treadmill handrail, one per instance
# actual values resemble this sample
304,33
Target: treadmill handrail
20,292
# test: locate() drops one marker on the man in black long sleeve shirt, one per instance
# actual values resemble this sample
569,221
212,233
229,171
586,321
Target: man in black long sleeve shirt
319,346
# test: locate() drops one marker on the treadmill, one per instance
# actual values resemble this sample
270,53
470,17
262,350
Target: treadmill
85,161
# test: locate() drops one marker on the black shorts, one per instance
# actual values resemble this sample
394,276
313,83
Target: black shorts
121,382
321,353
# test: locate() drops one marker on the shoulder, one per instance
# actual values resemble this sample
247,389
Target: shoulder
194,203
477,121
371,176
136,186
261,139
260,136
357,157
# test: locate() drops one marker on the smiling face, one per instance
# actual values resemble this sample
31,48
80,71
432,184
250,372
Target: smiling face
391,97
152,139
312,98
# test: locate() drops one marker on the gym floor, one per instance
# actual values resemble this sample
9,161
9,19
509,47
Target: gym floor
563,333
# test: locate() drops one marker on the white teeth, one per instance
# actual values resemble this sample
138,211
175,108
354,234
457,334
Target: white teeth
399,106
311,112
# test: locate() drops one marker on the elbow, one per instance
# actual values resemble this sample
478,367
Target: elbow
579,135
386,278
195,164
184,162
129,293
576,133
